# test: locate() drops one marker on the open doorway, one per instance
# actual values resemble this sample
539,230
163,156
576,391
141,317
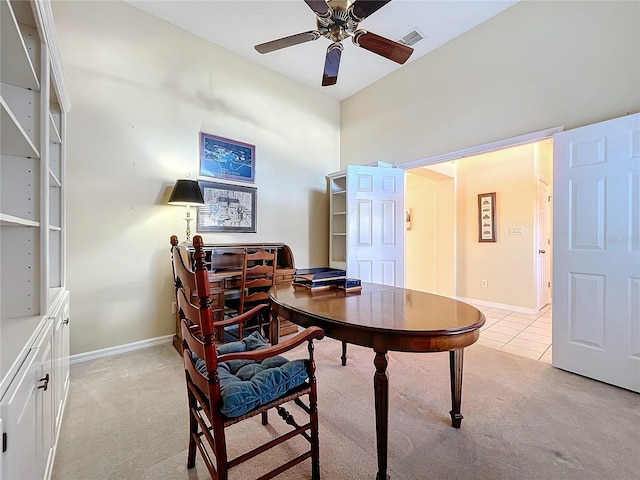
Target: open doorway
508,279
444,252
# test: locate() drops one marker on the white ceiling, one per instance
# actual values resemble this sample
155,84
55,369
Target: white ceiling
238,25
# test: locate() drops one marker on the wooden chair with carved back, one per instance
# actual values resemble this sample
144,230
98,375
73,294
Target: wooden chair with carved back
184,281
232,382
258,277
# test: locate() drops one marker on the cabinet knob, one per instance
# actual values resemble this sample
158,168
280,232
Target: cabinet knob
65,321
45,385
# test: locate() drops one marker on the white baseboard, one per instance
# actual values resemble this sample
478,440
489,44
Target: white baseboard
502,306
129,347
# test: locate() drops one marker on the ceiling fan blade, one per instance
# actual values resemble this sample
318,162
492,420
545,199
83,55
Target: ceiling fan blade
332,64
288,41
390,49
319,6
363,8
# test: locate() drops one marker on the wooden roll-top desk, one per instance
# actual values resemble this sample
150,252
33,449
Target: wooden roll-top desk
225,276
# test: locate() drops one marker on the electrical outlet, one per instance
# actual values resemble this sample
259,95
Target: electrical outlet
484,284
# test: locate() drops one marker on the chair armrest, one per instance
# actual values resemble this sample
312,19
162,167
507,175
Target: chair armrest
243,317
309,334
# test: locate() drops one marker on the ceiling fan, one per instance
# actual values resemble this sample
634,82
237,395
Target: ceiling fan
337,20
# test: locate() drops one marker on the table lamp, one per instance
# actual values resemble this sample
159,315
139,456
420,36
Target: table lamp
186,192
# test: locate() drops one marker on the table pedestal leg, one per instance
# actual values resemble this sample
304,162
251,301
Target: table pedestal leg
344,354
381,394
455,367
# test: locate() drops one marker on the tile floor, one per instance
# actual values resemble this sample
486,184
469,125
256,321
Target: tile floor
524,334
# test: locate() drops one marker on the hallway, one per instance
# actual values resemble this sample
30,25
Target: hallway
528,335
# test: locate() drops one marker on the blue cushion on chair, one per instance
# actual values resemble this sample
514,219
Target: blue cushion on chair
247,384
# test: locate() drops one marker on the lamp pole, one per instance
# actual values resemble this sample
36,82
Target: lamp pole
188,219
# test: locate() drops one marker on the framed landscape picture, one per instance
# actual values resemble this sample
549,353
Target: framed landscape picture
226,159
227,208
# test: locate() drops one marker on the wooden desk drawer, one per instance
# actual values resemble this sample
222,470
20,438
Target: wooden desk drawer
216,299
234,282
285,274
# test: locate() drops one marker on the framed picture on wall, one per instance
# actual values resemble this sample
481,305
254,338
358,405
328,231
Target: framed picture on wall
226,159
227,208
487,217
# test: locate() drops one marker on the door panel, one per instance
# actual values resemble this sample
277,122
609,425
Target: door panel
364,271
596,312
365,223
586,322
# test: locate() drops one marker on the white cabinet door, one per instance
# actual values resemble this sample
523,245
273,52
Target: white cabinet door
596,287
375,224
19,411
27,412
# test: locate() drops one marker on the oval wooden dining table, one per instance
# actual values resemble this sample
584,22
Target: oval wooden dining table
385,319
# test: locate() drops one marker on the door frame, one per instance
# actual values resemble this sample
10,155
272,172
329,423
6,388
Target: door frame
479,150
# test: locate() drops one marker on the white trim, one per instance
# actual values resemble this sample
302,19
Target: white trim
501,306
487,147
45,17
129,347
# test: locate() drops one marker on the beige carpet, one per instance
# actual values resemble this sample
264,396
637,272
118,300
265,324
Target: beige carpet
126,418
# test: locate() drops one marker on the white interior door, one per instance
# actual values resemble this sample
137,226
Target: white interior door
596,287
543,242
376,223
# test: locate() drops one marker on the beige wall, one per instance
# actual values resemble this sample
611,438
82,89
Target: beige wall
141,92
430,243
534,66
420,242
446,237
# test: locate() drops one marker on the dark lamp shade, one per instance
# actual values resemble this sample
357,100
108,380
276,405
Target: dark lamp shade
186,192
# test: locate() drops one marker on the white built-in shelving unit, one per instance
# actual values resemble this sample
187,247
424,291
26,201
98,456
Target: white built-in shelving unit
34,305
338,220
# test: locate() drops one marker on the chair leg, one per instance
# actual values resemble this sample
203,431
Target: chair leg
193,431
220,448
315,443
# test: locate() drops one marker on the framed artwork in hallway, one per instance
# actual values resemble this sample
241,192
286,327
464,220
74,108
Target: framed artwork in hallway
487,217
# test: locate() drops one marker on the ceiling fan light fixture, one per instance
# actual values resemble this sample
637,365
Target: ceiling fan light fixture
337,20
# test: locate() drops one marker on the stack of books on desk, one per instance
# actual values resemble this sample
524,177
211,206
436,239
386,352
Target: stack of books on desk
318,279
350,285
